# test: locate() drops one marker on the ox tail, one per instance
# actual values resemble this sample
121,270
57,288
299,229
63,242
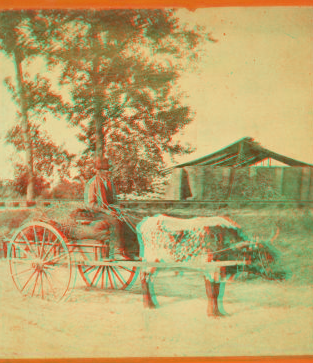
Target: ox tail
140,233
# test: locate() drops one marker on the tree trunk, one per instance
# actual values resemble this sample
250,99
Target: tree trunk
98,118
25,127
99,140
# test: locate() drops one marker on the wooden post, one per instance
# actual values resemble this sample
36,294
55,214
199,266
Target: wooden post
231,182
311,186
305,183
280,179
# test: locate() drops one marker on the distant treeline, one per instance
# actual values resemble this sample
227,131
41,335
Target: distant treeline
65,189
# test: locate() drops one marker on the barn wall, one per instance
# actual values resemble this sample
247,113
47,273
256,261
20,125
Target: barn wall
266,183
311,186
172,191
292,183
306,182
216,183
197,182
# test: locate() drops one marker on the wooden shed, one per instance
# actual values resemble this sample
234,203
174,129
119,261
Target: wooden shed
242,170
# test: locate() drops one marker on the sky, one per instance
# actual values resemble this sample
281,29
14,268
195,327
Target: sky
256,81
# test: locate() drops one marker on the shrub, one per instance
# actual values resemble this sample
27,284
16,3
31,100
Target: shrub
66,189
20,183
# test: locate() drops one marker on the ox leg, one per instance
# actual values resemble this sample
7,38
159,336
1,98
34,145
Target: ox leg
221,291
219,294
220,298
215,298
149,298
210,294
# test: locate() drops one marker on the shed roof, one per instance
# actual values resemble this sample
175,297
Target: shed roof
244,152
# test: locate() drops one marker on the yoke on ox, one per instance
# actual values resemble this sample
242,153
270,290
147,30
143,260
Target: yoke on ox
195,243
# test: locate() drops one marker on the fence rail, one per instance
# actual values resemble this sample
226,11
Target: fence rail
164,204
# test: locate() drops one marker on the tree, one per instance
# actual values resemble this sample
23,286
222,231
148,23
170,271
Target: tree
39,100
48,157
20,182
21,41
122,66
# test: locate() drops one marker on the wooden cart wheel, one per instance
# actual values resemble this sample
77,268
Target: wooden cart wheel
40,263
109,277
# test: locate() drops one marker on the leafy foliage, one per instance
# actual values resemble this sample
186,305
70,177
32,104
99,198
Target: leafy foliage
23,31
38,96
7,190
20,182
68,190
122,66
22,37
39,100
85,167
47,155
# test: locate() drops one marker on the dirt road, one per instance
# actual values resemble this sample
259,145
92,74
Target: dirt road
265,319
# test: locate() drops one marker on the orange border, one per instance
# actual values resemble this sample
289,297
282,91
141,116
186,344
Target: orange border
282,359
82,4
191,4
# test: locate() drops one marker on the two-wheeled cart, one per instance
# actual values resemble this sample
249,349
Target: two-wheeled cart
43,262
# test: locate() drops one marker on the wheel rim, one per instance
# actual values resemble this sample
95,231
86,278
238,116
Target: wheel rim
40,263
109,277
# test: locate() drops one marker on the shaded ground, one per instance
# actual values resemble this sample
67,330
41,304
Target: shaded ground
266,319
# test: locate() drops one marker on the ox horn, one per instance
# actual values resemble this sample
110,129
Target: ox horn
270,239
274,235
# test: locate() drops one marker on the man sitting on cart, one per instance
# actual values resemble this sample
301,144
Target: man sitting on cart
105,222
100,191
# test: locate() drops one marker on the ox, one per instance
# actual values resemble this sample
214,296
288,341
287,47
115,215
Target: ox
199,240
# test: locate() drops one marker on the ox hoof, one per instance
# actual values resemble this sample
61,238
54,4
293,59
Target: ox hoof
216,314
150,306
220,315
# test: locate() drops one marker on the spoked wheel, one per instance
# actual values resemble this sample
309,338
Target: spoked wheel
40,262
109,277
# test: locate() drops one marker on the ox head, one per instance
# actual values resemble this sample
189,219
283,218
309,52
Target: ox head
261,258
